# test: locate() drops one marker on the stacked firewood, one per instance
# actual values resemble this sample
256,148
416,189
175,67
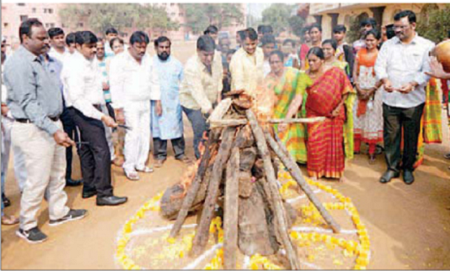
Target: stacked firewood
238,173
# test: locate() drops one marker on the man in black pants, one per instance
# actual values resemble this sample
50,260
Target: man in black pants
400,65
84,83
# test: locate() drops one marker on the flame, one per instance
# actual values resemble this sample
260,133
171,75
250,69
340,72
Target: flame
191,171
264,102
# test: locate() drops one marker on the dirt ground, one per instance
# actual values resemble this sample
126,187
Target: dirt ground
409,226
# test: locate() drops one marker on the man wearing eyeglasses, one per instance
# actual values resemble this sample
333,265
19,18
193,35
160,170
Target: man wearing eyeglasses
401,66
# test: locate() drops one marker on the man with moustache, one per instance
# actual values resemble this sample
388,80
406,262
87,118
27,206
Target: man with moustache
201,87
401,66
169,124
134,83
247,64
35,101
83,81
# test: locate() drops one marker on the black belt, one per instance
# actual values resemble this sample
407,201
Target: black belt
29,121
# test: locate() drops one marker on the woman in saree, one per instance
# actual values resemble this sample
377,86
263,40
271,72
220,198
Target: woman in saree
329,48
331,96
368,110
288,83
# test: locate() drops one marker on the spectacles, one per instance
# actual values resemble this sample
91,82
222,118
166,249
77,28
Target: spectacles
400,26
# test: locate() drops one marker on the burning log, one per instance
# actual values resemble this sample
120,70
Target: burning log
256,218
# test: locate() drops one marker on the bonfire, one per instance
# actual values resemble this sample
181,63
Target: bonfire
237,174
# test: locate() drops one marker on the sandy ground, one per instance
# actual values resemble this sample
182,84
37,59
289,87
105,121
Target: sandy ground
409,226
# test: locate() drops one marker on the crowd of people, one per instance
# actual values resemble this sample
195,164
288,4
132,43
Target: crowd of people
110,100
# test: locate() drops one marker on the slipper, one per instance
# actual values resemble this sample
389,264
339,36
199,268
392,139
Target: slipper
186,160
9,220
133,175
145,170
159,163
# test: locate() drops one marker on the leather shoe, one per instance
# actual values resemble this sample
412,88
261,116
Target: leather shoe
70,182
408,177
111,201
88,193
388,175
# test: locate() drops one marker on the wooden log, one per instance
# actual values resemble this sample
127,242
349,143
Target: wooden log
282,152
202,234
231,210
280,216
226,123
192,192
220,110
298,120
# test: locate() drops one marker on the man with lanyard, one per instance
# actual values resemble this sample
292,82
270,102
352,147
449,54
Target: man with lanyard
83,82
35,101
168,125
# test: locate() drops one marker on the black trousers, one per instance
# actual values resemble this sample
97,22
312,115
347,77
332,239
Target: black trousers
395,119
160,148
70,129
95,156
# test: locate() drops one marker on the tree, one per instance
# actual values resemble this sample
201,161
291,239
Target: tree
296,23
434,23
200,15
278,15
99,17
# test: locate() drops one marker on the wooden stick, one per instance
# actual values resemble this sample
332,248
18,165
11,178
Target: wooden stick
231,210
227,123
282,152
299,120
202,234
271,178
220,110
193,189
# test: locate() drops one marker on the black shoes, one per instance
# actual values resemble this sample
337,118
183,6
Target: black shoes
6,201
87,193
72,215
111,201
408,177
70,182
388,175
32,236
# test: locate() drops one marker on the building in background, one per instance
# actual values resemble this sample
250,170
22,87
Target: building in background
48,13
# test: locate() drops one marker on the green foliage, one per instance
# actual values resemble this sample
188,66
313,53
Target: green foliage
277,15
353,33
434,23
99,17
200,15
296,23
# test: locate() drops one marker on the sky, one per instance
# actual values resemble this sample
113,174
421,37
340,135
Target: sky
256,9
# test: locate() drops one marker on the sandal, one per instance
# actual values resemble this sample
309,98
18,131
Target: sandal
159,163
145,170
133,175
186,160
9,220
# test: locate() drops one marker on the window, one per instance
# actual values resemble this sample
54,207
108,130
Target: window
45,10
5,25
33,10
23,18
49,25
63,25
21,4
50,10
172,4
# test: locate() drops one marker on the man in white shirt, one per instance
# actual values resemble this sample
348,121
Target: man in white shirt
110,34
57,42
134,82
83,84
401,66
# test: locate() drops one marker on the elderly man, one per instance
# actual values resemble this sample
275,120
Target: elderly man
400,65
35,101
201,87
134,82
168,125
83,83
247,64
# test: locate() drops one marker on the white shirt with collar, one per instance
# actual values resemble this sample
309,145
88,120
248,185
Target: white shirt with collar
404,63
133,82
83,89
61,57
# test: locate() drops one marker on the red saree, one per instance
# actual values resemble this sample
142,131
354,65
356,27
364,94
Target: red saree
326,154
